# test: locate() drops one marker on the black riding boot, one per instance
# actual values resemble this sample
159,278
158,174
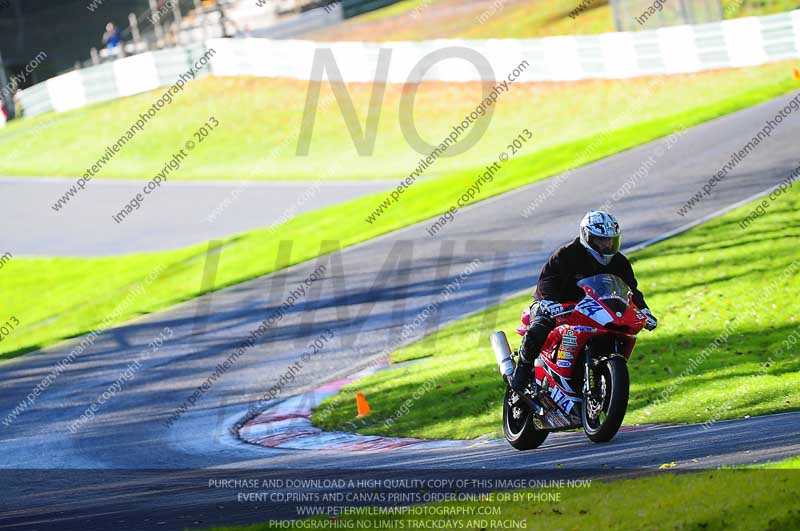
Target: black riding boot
522,377
532,343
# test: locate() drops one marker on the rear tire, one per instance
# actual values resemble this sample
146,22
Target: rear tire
612,383
518,426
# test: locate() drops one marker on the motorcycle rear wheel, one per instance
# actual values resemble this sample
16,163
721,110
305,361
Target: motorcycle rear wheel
518,426
601,420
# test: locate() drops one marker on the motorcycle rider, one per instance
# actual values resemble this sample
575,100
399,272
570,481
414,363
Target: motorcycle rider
595,251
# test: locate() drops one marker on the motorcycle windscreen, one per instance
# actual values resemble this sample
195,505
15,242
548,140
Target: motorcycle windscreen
611,290
606,286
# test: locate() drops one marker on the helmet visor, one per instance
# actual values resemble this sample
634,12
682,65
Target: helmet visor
605,246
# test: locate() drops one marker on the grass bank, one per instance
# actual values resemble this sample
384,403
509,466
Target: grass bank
519,19
712,279
257,137
710,501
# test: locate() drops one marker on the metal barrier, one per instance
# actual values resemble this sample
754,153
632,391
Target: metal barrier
672,50
124,77
635,15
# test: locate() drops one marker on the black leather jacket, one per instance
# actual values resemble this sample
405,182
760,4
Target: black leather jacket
573,262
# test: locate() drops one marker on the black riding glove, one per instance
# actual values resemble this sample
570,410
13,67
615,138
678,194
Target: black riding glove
652,322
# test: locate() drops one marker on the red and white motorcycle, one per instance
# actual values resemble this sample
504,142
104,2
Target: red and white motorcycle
581,373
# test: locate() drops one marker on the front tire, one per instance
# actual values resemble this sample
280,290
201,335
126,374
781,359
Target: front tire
518,425
602,413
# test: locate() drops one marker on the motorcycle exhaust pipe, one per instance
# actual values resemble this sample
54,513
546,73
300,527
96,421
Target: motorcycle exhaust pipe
502,354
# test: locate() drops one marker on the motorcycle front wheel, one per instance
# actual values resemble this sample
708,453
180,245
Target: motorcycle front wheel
602,412
518,426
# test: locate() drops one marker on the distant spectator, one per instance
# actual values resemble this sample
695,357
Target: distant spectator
112,37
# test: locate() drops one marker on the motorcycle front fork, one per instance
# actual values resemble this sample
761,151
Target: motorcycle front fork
587,374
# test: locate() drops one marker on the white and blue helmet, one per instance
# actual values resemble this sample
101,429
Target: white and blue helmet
601,235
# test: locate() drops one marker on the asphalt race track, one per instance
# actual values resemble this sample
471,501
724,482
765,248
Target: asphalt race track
176,215
126,469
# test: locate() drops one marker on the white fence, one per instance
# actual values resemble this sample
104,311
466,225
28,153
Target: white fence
124,77
671,50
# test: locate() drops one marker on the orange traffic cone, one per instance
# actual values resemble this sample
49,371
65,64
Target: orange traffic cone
796,72
361,404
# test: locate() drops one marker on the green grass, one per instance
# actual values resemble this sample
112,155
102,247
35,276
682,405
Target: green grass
438,19
695,283
756,8
256,138
790,464
729,499
79,293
